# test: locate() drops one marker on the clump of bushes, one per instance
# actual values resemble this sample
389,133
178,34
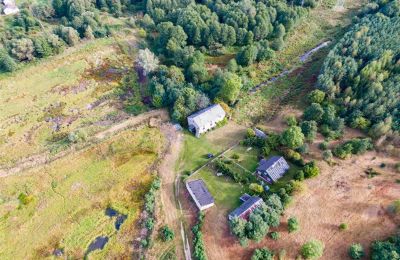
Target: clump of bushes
199,252
313,249
25,199
166,234
262,254
149,206
353,146
356,251
343,226
293,225
275,235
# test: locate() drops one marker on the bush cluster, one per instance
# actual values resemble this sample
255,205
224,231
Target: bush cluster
199,252
149,207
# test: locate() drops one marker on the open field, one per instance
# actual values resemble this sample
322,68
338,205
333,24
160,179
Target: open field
66,201
44,102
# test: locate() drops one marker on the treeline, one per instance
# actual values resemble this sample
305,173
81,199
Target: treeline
361,75
44,29
182,33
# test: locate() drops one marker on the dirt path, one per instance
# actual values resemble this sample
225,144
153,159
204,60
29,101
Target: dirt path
170,212
133,121
46,157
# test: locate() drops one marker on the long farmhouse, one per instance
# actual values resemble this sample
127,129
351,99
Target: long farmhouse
205,119
250,203
200,194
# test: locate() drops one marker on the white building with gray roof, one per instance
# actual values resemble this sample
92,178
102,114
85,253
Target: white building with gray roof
205,119
200,194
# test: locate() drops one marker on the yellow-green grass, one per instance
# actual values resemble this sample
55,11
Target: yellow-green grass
226,192
71,78
70,195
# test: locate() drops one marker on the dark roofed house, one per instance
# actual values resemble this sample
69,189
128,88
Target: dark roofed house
249,205
272,169
200,194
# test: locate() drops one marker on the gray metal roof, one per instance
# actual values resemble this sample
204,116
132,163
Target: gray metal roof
266,164
200,191
244,197
207,114
259,133
245,206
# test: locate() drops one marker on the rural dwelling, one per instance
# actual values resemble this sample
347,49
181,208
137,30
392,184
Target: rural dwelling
205,119
249,204
272,169
10,7
200,194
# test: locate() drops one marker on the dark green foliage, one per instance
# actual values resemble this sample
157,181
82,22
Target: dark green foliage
293,224
199,252
316,96
353,146
247,55
7,64
356,251
309,129
386,250
256,228
311,170
166,234
361,74
262,254
275,235
343,226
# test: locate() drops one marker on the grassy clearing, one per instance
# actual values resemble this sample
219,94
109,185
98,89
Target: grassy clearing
70,195
225,192
247,158
65,88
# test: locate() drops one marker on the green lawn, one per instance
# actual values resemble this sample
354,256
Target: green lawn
247,158
225,192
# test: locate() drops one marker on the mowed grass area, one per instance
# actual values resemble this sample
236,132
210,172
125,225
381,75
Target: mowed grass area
68,198
71,91
225,191
195,150
248,157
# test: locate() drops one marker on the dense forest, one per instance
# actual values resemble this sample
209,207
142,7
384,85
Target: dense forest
46,28
183,33
361,75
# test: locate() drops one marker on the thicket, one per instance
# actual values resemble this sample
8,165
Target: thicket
262,254
45,28
387,249
353,146
149,206
199,252
184,32
361,74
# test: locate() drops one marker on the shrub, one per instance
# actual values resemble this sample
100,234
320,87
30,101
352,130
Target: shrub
356,251
291,120
397,167
262,254
275,235
235,156
293,224
343,226
299,175
292,137
257,188
313,249
327,155
316,96
25,199
324,145
394,208
167,234
311,170
7,64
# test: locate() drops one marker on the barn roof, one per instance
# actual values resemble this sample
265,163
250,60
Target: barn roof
207,115
200,191
245,206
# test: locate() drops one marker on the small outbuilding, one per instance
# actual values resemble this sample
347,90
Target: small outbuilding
205,119
260,134
250,203
272,169
200,194
10,7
